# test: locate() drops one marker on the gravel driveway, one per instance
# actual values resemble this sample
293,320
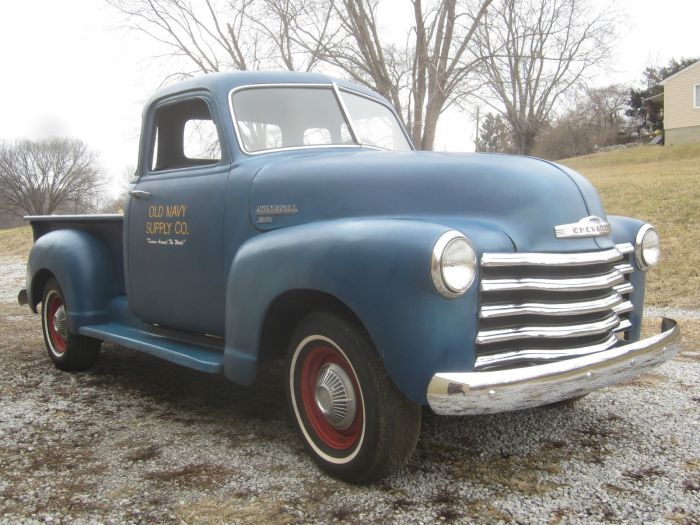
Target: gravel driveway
141,440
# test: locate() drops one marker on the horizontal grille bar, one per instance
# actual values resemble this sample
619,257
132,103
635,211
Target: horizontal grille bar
594,282
550,259
624,288
623,308
539,355
625,248
624,268
624,325
551,331
553,308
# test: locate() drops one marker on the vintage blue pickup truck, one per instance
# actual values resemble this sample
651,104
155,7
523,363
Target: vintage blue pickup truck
287,216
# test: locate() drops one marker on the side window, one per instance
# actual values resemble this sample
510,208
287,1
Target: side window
201,140
185,136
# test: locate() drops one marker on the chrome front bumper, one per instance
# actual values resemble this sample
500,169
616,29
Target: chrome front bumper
488,392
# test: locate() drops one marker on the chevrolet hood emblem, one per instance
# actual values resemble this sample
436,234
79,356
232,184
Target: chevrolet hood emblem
587,227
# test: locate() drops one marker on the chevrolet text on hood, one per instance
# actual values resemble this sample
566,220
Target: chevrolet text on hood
587,227
287,216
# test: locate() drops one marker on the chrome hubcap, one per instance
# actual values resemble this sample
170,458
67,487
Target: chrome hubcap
335,396
60,323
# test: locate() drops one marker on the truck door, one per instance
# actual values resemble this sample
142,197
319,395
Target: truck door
174,220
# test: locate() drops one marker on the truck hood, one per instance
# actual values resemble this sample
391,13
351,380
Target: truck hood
522,197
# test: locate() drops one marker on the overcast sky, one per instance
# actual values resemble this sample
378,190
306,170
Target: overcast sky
68,70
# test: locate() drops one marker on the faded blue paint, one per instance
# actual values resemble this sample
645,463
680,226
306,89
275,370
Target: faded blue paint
362,231
85,270
523,196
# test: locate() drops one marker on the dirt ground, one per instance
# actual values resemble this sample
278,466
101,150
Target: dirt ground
138,440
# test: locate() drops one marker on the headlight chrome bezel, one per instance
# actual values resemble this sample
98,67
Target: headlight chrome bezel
436,265
642,263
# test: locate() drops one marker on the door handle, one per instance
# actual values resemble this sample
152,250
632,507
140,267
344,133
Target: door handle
140,194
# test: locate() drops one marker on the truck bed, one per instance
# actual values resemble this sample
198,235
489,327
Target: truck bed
108,227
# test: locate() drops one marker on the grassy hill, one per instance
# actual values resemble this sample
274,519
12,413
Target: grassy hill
15,241
660,185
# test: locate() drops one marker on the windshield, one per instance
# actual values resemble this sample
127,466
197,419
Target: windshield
289,117
374,124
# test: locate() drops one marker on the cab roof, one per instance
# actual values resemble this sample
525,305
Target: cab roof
220,84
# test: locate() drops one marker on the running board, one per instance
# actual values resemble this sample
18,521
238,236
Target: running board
203,358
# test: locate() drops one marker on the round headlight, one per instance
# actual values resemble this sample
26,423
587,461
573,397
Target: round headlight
647,249
453,266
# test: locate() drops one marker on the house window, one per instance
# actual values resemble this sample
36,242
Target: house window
696,101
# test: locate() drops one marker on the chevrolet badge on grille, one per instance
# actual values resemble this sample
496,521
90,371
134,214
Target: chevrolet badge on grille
587,227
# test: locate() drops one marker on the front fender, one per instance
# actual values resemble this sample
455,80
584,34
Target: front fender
380,269
84,269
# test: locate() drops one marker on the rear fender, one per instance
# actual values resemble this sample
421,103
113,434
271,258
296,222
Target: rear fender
84,269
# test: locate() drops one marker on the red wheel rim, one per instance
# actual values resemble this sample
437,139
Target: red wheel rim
332,437
58,343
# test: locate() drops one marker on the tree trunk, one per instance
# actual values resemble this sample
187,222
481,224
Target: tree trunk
529,143
432,115
428,139
524,141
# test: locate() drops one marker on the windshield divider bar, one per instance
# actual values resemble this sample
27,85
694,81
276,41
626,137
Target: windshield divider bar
346,114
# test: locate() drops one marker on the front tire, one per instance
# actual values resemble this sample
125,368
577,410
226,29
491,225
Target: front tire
355,423
68,351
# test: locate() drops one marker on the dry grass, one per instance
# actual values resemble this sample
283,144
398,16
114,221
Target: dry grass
144,453
692,464
535,473
690,339
486,512
681,517
518,474
231,510
661,186
16,242
203,476
528,475
692,484
642,473
648,380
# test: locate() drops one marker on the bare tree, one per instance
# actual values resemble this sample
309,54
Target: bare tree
421,73
594,118
220,35
41,177
536,51
608,104
421,78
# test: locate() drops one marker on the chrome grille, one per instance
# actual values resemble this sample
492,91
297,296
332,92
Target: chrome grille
540,307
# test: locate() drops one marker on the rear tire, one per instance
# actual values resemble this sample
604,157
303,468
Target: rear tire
355,423
68,351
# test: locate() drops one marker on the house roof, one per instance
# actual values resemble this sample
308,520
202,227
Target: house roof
694,64
657,99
